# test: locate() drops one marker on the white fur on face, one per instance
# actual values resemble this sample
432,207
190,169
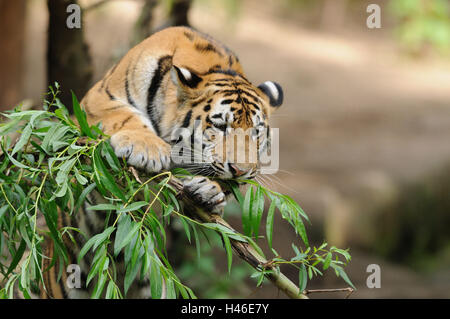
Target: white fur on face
224,110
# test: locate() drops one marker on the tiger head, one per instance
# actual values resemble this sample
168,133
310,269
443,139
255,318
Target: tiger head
227,118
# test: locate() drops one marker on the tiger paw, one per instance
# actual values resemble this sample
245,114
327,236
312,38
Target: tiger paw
205,193
142,150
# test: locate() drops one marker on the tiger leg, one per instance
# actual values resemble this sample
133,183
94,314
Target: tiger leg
132,137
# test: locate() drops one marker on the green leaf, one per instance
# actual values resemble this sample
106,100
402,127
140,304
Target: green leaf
110,290
19,164
303,278
111,157
80,178
98,289
25,136
3,211
259,210
62,189
339,270
130,275
170,289
64,170
81,117
310,273
100,238
236,192
297,207
17,257
197,241
327,261
185,226
103,207
99,261
155,281
7,127
51,216
132,207
124,235
105,178
269,223
300,228
83,195
229,251
246,212
95,241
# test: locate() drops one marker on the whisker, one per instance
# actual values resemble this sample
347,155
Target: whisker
275,179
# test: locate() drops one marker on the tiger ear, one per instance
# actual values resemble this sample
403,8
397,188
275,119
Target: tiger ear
182,77
273,91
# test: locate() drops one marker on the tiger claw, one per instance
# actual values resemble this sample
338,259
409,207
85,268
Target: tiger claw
205,193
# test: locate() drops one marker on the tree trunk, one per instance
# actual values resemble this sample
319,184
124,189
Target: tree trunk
178,15
68,60
12,34
143,27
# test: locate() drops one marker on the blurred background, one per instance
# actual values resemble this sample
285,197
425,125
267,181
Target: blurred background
364,130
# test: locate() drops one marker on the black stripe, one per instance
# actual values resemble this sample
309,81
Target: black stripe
127,90
62,286
111,97
215,67
114,107
246,101
195,103
218,84
223,80
125,121
164,65
228,101
207,47
227,72
189,35
187,119
253,97
107,76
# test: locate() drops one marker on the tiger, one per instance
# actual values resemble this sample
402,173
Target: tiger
173,79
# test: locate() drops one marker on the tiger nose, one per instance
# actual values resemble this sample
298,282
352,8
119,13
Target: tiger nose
236,171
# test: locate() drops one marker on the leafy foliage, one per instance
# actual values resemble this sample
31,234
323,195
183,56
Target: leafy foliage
54,165
423,23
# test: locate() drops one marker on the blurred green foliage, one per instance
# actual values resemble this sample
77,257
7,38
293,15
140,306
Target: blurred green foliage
422,24
414,228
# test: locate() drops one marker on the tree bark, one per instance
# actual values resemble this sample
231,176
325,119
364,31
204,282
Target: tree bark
143,27
12,35
68,60
178,14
